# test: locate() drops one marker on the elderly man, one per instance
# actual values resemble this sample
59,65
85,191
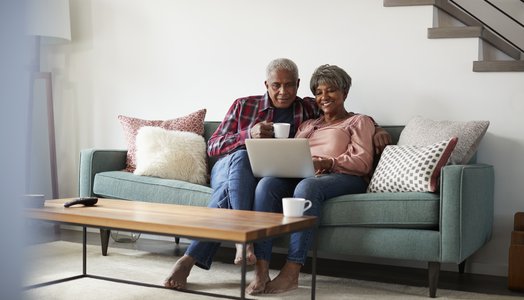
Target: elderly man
232,180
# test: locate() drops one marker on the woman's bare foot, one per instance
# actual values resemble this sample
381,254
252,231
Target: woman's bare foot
286,280
258,285
178,277
250,254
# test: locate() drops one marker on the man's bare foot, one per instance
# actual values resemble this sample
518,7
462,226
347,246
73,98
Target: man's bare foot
250,254
286,280
178,277
258,285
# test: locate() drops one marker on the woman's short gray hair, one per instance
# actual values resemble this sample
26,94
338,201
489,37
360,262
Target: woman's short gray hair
282,64
331,75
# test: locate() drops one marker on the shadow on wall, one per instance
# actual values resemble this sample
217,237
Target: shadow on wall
505,154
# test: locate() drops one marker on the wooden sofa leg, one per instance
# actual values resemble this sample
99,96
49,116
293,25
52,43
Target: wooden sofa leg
433,272
104,240
177,240
462,266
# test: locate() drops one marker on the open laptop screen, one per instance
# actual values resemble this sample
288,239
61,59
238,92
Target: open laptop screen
288,158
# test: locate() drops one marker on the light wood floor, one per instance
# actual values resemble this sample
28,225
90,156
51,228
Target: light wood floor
495,285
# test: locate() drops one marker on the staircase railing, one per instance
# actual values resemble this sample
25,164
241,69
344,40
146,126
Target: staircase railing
487,25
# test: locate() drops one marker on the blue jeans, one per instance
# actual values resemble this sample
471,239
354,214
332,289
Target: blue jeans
233,187
271,190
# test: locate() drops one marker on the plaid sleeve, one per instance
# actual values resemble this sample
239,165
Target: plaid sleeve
229,135
311,109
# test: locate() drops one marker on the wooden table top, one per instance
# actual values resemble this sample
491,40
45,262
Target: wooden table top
180,220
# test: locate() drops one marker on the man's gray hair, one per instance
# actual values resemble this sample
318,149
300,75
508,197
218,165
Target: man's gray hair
331,75
282,64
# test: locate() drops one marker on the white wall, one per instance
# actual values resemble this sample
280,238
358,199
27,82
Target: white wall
162,59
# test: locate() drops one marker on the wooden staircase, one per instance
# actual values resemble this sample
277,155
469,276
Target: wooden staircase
449,21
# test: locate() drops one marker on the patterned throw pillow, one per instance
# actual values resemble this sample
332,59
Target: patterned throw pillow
171,154
194,122
422,132
411,168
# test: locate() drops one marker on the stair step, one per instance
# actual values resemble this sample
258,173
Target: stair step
498,66
455,32
486,35
500,44
392,3
472,32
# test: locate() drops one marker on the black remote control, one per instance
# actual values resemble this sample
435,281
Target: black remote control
87,201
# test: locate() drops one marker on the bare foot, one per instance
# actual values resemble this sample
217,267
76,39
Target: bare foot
286,280
250,254
258,285
179,273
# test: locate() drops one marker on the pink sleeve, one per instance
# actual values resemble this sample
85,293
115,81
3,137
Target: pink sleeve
358,159
305,129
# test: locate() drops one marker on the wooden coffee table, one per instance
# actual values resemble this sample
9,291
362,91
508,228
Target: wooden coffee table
173,220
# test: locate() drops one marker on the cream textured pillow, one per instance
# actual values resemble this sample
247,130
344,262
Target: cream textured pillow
171,154
421,132
194,122
411,168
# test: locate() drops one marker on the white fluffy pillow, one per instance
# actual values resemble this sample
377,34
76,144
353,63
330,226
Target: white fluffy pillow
171,154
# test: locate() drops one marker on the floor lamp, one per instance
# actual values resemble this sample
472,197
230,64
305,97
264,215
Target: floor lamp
48,21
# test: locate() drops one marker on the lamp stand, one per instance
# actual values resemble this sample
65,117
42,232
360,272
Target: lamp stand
47,78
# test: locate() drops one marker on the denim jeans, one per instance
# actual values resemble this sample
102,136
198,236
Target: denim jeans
233,187
271,190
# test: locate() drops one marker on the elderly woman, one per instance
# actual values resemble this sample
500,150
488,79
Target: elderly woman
342,149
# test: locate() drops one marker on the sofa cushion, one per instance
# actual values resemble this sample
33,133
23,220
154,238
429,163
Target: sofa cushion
194,122
411,168
171,154
422,132
387,210
125,185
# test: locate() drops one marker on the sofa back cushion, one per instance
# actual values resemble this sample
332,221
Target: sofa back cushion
209,129
394,131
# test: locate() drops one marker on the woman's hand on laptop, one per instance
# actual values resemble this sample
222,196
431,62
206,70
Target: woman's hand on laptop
322,164
262,130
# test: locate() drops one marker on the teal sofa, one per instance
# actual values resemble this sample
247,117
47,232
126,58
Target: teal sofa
443,227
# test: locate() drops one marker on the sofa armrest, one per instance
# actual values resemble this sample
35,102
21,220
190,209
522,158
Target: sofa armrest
94,161
466,209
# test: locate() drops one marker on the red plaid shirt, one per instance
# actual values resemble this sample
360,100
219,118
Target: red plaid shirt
246,113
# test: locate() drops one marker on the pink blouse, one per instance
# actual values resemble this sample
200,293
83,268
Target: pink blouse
349,143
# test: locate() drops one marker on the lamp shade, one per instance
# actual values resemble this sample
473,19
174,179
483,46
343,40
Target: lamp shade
49,18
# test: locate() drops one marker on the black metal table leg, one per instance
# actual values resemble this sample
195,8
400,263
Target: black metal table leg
84,250
314,266
244,267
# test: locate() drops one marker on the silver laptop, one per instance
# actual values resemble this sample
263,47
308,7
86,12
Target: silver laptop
289,158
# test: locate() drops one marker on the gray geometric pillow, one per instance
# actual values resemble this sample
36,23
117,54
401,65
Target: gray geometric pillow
411,168
421,131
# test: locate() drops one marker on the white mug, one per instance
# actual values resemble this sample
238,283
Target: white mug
281,130
295,207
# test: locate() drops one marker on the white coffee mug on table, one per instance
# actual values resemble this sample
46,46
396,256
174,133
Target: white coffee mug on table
281,130
295,207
